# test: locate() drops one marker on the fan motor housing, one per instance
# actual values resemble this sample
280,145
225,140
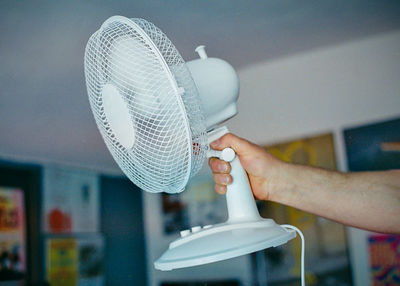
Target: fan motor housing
218,86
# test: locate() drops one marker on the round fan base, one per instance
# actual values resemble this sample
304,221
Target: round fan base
202,245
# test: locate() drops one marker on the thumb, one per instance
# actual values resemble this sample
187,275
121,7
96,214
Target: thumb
239,145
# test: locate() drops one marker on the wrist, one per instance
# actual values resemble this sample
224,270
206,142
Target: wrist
283,183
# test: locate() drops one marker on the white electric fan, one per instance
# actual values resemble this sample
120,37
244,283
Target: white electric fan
157,115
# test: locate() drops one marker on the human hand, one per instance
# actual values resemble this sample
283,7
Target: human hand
265,172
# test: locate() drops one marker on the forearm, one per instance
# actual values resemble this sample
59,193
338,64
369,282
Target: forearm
369,200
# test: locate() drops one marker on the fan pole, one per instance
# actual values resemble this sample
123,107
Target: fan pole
239,197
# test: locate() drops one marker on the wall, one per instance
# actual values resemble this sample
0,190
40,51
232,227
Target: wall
321,90
305,94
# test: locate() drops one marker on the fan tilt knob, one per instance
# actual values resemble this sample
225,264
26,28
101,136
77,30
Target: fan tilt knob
228,154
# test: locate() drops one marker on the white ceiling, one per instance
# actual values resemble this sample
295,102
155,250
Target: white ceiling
44,111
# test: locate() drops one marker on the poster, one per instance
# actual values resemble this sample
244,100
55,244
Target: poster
326,245
373,146
91,261
12,234
385,259
62,262
75,261
70,201
175,214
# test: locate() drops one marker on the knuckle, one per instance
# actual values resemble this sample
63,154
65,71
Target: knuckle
228,136
222,179
220,189
216,177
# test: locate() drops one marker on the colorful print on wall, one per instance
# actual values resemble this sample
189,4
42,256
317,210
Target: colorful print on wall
384,259
62,262
175,213
12,234
70,201
91,261
75,261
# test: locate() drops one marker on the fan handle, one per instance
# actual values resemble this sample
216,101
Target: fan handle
239,196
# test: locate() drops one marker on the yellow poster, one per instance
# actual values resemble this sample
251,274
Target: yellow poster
62,262
313,151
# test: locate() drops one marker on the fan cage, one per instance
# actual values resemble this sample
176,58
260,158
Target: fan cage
170,141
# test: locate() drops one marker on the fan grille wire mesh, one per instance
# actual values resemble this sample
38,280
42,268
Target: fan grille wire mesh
170,136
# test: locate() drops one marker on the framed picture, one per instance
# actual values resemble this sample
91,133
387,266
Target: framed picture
75,260
13,247
373,147
70,200
384,253
175,214
20,238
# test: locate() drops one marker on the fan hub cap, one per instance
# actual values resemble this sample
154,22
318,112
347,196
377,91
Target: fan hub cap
118,117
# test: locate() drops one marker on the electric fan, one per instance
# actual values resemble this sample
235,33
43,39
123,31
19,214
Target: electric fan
157,116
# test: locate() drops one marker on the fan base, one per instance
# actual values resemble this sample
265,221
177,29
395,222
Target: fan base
202,245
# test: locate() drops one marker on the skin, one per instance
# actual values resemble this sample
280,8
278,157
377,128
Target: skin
367,200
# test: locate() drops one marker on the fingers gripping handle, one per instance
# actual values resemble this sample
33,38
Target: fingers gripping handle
227,154
239,197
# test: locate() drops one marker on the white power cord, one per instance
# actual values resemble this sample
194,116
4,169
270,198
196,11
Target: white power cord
288,226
